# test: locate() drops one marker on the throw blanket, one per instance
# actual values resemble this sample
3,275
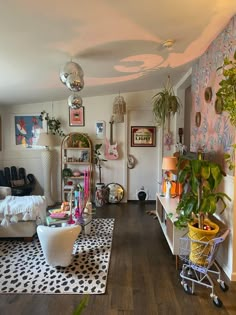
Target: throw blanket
31,207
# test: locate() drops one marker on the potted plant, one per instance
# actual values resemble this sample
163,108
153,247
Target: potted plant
201,198
97,161
78,140
164,104
53,124
226,94
102,193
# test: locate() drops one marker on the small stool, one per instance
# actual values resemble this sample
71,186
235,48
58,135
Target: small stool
57,243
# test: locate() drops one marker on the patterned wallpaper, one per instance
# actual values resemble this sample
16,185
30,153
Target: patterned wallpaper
214,132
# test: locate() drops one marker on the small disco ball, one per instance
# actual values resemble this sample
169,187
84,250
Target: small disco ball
75,101
74,82
70,68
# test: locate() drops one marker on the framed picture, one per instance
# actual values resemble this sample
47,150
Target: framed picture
76,117
143,136
27,130
100,129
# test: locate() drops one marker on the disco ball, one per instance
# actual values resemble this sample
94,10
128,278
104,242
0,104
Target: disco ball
75,101
70,68
74,82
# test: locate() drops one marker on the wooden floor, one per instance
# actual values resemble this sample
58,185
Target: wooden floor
142,277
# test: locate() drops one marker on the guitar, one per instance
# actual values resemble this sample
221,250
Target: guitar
111,152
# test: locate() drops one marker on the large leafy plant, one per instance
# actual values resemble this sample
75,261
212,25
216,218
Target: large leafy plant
202,178
164,104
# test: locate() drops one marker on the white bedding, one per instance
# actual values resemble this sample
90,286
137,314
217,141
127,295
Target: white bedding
30,207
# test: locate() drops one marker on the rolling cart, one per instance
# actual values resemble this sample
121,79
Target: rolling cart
204,265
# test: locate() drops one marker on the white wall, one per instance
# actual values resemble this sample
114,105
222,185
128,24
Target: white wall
96,108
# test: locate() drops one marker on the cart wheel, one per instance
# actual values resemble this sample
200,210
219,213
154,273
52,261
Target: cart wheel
187,289
217,302
224,286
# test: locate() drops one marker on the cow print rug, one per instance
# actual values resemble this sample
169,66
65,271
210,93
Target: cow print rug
23,268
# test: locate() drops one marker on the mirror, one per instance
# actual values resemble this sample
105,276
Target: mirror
116,192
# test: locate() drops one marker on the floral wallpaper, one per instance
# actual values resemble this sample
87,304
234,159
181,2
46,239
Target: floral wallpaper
211,131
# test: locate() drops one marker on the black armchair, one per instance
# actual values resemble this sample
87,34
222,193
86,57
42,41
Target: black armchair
21,185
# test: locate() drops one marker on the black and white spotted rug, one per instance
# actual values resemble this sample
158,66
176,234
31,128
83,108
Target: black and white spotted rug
23,268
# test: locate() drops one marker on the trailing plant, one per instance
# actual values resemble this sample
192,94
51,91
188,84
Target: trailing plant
227,95
202,178
227,90
53,124
165,103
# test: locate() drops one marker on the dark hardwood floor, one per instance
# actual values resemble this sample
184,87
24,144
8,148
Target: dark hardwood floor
142,277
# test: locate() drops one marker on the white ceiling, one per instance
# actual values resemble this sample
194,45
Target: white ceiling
117,43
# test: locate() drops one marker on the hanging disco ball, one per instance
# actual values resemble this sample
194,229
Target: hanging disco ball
74,82
75,101
70,68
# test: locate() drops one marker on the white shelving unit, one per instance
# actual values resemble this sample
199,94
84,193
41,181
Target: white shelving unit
166,214
76,155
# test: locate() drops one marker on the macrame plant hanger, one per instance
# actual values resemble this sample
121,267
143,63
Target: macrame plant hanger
119,109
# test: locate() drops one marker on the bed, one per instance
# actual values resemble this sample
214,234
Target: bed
19,216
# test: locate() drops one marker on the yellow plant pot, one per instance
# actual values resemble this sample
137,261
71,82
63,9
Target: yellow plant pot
200,252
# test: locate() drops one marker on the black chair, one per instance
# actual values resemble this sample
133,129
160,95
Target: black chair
21,185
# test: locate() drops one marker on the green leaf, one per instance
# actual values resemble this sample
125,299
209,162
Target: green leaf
83,303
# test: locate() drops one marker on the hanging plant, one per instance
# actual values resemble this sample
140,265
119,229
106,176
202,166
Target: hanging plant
53,125
165,103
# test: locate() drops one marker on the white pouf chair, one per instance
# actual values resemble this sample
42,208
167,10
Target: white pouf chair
57,243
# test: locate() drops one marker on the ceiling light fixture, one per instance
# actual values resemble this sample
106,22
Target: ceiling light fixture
168,43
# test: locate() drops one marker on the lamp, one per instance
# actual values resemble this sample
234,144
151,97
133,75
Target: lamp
47,140
169,164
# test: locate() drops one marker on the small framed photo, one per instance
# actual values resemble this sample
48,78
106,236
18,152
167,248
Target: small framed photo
100,129
143,136
76,116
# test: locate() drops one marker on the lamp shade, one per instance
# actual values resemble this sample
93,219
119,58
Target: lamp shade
46,139
169,163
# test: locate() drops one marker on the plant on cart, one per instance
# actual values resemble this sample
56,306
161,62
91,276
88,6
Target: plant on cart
202,179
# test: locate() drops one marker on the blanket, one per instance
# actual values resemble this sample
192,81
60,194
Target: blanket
30,207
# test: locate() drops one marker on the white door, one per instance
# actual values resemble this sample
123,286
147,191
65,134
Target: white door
146,172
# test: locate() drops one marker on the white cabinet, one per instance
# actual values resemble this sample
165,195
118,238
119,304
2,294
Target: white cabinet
76,163
166,214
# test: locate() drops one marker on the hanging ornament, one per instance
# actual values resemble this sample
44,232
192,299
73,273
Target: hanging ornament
75,101
74,82
70,68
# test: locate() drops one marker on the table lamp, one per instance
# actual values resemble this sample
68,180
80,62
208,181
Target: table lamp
47,140
169,164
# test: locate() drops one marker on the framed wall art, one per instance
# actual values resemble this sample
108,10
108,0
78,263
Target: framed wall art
76,117
27,130
100,129
143,136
